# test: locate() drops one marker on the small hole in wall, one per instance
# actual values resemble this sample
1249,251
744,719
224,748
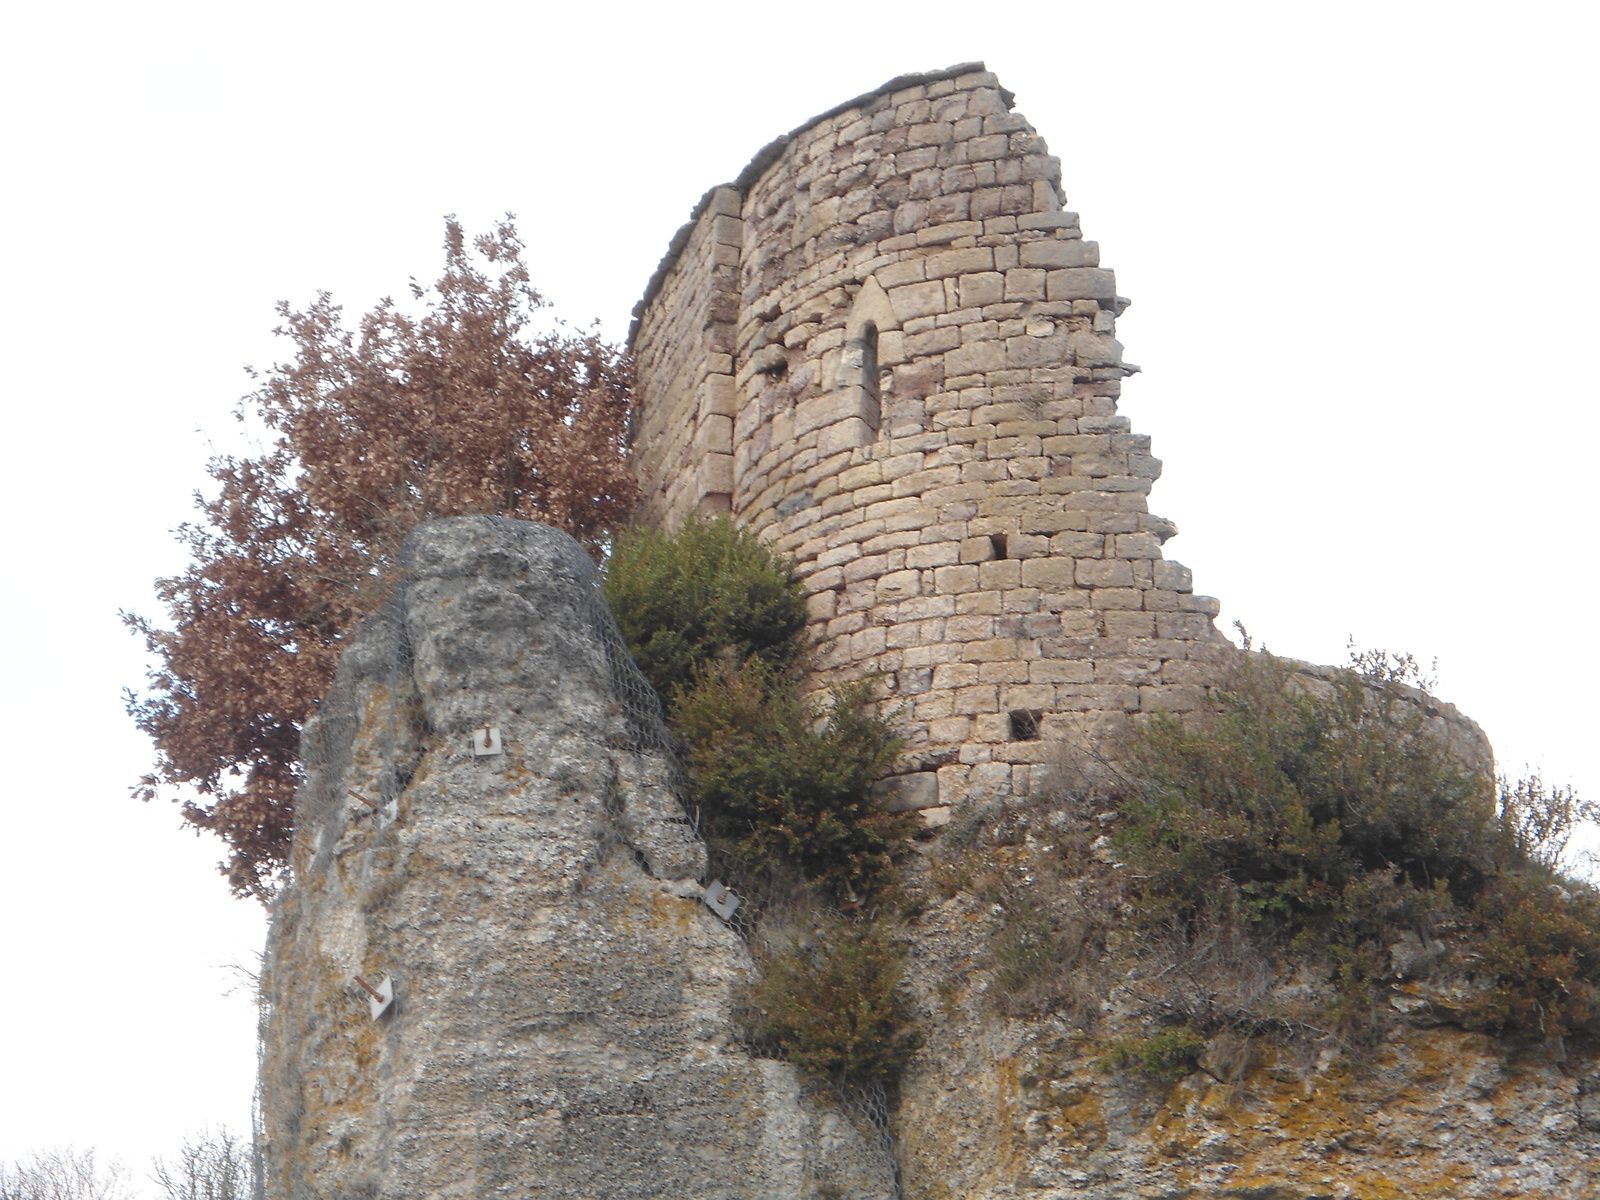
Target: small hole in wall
1025,724
997,543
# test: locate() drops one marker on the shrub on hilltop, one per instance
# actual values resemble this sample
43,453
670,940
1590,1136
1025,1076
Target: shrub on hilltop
1327,818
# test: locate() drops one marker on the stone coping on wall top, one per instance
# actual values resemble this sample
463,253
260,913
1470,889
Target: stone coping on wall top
767,155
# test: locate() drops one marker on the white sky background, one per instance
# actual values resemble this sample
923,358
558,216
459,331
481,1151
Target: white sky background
1361,241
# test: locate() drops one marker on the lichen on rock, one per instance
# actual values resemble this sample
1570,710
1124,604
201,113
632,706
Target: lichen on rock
562,1015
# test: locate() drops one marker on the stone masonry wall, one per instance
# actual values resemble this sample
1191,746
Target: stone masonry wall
923,414
683,443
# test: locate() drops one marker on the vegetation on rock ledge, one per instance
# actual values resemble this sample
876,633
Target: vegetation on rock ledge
783,789
1303,861
1328,819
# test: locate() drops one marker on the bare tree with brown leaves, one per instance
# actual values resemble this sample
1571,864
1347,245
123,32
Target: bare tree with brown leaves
471,407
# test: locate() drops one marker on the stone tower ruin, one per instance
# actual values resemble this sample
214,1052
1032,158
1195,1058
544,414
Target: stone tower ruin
887,349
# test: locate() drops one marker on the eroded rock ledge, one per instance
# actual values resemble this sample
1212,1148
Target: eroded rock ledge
562,1016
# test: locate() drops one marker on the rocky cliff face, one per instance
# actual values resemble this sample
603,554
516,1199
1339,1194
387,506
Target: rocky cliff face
1000,1107
561,1015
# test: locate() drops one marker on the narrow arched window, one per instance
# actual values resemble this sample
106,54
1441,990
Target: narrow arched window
869,376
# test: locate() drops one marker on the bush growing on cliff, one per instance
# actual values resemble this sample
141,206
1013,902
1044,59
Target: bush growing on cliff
1328,816
782,786
465,409
712,591
715,620
779,783
1280,803
833,1004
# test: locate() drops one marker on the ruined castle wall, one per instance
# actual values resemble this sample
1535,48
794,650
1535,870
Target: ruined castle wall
683,442
926,376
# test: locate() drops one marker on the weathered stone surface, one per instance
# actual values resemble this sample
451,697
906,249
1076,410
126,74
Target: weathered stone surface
984,424
1432,1112
562,1018
1036,582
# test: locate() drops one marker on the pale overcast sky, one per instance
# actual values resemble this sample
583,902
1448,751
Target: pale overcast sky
1360,239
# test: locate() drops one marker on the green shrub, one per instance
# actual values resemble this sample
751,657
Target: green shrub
711,590
1538,947
1288,797
782,787
1326,816
1166,1055
779,783
834,1006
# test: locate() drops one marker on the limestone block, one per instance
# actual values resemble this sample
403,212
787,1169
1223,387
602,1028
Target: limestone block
1094,349
1061,254
906,793
955,579
845,435
726,202
981,603
992,650
1184,626
717,396
1137,546
830,408
1000,574
949,730
950,676
960,262
1174,577
898,585
728,230
977,550
981,698
1171,698
715,474
936,554
822,606
896,274
976,290
988,782
1130,624
1081,283
953,782
1061,670
932,341
1050,574
1107,599
918,300
714,436
976,358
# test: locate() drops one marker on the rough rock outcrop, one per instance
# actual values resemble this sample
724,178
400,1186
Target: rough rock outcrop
1431,1113
561,1023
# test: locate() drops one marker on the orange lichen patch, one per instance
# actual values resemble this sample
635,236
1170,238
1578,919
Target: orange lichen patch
671,912
1008,1113
1313,1130
1076,1115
